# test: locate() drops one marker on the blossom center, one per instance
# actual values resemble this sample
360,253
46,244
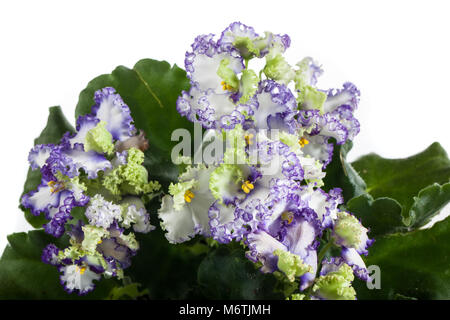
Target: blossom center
287,216
248,138
81,270
55,186
188,196
226,86
303,142
247,186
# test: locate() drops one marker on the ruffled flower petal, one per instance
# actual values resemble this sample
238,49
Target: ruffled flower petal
274,99
186,213
350,233
50,255
102,213
110,107
262,246
353,259
348,95
205,59
39,155
41,200
91,162
134,212
84,124
178,224
79,279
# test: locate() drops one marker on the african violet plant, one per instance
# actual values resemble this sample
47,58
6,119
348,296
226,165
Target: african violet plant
265,207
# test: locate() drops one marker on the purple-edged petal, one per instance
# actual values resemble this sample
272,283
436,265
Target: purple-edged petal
274,99
79,279
111,248
41,200
39,155
262,245
91,162
353,259
324,204
308,278
221,222
50,255
319,148
204,60
212,110
112,109
348,95
84,124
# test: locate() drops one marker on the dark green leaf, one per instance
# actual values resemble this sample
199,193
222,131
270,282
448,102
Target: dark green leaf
56,126
227,274
383,215
402,179
341,174
428,203
414,264
24,276
151,90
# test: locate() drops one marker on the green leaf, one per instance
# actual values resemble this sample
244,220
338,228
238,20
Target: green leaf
414,264
24,276
226,274
428,203
151,90
383,216
56,126
402,179
341,174
130,291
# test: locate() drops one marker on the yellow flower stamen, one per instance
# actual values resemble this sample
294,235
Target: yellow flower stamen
287,216
303,142
55,186
188,196
248,138
247,186
226,86
81,270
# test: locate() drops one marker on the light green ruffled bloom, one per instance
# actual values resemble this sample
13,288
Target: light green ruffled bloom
291,140
248,85
178,192
92,237
277,68
310,98
246,47
348,230
301,74
291,264
130,178
235,146
230,79
336,285
99,139
129,240
73,252
225,180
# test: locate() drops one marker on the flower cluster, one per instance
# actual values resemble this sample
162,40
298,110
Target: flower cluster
264,189
96,171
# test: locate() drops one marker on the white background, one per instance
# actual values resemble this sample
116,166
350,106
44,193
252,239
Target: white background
396,52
